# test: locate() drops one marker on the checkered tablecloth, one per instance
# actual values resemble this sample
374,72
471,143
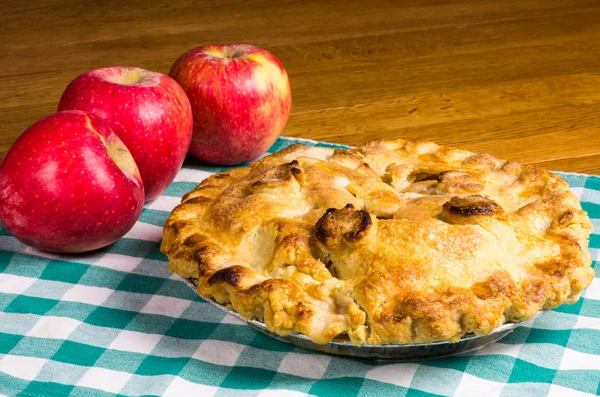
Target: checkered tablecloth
116,322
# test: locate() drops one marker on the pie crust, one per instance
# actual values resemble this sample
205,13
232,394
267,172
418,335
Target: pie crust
401,241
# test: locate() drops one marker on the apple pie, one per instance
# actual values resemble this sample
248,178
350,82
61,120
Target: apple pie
394,242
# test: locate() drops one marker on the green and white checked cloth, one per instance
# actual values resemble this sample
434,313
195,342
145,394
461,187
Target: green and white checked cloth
115,322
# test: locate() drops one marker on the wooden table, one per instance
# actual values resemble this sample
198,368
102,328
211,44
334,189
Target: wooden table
517,78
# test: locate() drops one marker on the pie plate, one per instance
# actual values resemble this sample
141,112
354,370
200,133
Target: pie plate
400,352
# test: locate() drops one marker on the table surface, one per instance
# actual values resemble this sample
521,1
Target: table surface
519,78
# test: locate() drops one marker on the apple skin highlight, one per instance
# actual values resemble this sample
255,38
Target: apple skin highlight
241,99
149,111
68,184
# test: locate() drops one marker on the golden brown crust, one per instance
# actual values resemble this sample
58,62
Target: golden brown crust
393,242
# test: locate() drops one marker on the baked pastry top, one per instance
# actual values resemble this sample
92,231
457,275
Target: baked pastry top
393,242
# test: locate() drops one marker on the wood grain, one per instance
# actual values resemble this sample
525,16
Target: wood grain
518,78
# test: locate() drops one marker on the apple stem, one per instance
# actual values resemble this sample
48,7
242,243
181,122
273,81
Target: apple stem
226,52
236,53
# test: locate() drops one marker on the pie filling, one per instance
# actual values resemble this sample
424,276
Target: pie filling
392,242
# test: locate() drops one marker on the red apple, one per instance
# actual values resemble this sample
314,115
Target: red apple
68,184
149,111
241,99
